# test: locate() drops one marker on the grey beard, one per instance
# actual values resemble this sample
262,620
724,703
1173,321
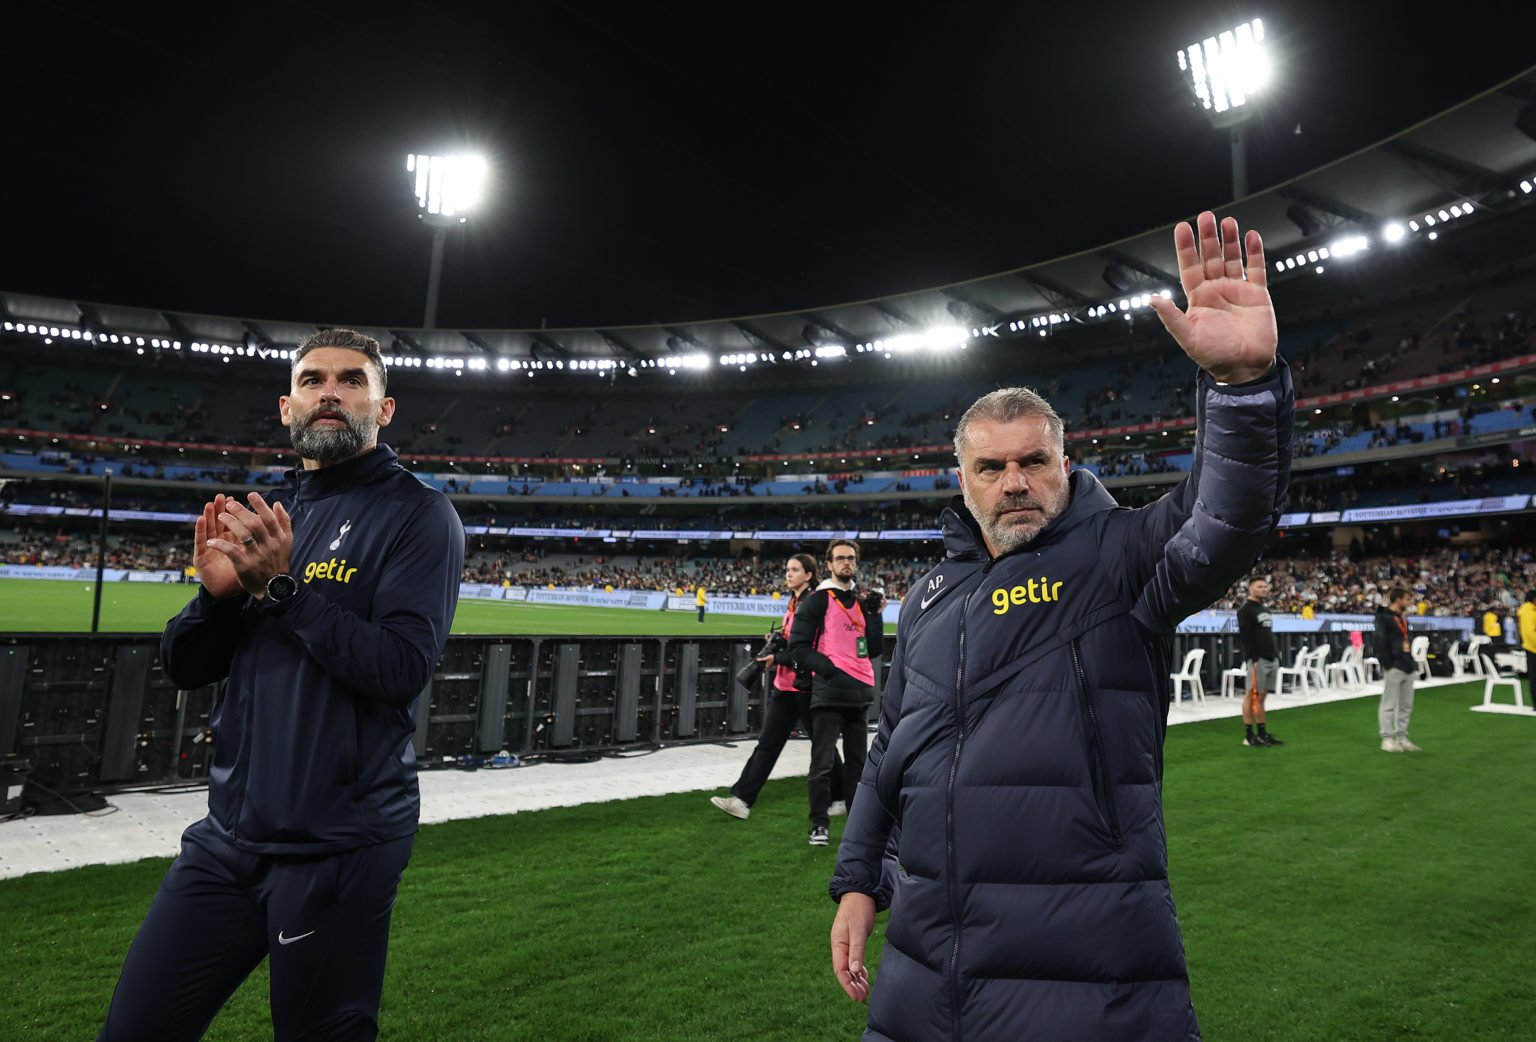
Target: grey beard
1006,538
327,445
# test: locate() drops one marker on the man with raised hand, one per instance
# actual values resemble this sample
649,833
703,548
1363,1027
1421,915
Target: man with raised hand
1016,776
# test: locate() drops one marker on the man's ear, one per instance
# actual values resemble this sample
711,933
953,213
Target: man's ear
284,410
386,411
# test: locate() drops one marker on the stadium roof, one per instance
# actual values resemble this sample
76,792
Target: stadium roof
1474,153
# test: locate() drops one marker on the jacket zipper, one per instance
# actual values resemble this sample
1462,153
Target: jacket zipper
1098,767
249,713
1155,678
949,821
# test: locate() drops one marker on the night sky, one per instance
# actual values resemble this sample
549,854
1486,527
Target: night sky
655,162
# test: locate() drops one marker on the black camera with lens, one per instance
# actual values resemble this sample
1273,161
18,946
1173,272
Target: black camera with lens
750,675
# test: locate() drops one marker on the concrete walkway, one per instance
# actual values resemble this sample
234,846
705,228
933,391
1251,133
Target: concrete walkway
149,824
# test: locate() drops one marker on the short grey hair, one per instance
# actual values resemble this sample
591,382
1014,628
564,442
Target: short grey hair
1005,405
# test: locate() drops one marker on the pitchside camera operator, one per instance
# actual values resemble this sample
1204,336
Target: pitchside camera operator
835,635
789,703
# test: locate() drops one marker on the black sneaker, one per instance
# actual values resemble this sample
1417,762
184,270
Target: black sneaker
1256,741
819,837
1269,739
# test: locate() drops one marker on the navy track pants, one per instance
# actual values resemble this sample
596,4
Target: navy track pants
322,920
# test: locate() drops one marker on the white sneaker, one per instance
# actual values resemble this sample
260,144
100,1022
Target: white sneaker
1405,746
732,806
1390,745
837,809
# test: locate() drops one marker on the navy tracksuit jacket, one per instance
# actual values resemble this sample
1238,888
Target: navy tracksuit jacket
312,737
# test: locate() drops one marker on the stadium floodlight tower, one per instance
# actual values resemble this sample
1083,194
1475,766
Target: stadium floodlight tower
1225,71
447,189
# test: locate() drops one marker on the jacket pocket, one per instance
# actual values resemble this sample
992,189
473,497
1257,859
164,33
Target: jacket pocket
1098,766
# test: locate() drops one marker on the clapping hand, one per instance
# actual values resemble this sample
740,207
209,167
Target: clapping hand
243,546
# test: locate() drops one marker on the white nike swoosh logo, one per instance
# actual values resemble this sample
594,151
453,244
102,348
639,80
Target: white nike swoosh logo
289,940
923,604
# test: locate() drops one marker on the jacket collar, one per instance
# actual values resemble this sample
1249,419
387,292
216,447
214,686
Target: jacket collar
962,535
327,481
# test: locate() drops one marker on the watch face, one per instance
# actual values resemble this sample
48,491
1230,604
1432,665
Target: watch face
281,587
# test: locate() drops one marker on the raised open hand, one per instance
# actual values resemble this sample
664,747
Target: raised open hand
1229,329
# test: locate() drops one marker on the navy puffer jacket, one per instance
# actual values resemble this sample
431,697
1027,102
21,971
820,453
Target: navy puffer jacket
1019,758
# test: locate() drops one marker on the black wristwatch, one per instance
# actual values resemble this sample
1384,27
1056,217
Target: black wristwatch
281,587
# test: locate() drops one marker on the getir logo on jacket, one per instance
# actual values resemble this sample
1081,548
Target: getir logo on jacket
1036,591
332,569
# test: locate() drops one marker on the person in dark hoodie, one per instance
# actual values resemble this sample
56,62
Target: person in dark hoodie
323,614
836,634
1392,646
1010,813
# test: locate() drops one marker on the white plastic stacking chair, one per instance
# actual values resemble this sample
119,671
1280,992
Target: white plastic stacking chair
1297,669
1232,680
1368,663
1419,649
1494,682
1348,670
1316,672
1461,662
1190,675
1474,655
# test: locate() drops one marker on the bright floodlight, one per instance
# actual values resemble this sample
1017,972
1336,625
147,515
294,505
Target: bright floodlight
447,186
1226,69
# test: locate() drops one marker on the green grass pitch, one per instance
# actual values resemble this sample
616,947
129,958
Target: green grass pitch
1329,892
52,606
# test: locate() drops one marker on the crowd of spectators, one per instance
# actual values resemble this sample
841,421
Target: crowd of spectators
1417,342
1133,464
66,550
750,574
1450,582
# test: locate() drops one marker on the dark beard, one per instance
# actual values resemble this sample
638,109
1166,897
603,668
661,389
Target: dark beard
328,445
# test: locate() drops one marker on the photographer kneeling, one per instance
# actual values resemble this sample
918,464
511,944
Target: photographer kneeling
788,704
835,635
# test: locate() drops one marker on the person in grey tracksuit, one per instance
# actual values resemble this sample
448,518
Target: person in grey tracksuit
1392,645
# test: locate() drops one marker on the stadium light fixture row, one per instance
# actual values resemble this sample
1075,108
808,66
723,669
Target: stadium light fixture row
1041,323
1126,306
1442,215
937,338
1341,248
1392,233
